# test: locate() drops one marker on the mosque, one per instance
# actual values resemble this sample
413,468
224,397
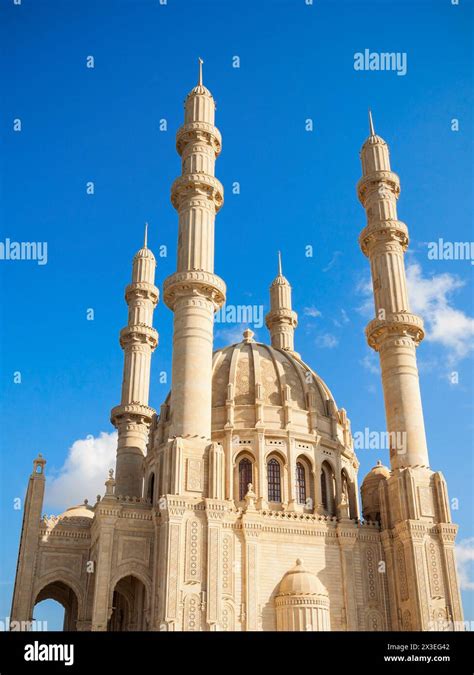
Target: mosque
236,506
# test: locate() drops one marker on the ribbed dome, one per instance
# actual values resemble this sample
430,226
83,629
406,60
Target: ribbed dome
259,372
377,473
200,90
373,139
79,511
298,581
280,280
144,253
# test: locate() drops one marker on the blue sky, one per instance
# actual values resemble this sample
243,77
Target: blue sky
297,189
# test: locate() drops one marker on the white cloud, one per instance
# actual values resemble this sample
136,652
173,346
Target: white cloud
344,319
431,298
327,341
465,559
312,311
371,363
333,261
84,472
444,324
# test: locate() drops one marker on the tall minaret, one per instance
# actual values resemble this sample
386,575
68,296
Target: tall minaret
194,292
395,332
132,418
416,528
281,320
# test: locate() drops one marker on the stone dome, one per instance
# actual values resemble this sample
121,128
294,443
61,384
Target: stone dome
199,90
369,491
144,252
299,581
378,472
251,374
79,511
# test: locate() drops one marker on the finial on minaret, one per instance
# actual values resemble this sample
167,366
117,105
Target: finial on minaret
145,240
200,70
279,264
371,124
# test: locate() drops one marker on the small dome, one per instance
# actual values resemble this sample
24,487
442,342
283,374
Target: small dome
280,280
369,491
299,581
200,90
79,511
378,472
144,252
373,139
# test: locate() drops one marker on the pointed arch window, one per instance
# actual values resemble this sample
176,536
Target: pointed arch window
274,481
324,491
300,483
151,488
245,476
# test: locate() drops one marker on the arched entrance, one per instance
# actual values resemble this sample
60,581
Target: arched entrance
129,606
63,594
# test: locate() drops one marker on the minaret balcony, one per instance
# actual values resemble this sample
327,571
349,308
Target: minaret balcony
380,232
142,290
192,184
194,282
374,181
132,413
138,334
400,324
196,131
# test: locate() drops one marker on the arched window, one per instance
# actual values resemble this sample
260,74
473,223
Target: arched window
300,483
324,491
245,476
274,481
328,489
151,488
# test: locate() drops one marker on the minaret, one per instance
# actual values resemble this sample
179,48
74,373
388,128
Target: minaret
281,320
132,418
395,332
194,292
411,501
23,597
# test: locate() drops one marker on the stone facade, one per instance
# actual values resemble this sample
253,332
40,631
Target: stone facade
236,507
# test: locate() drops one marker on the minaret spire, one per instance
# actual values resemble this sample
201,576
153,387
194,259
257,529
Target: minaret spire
281,320
200,71
132,418
145,239
371,124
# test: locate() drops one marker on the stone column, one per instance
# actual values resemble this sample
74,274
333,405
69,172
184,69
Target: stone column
132,418
194,292
23,600
395,332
